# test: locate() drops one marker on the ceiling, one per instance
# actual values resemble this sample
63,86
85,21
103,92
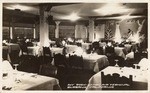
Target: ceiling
83,10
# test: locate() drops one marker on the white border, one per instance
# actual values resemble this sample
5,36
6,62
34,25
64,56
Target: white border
74,1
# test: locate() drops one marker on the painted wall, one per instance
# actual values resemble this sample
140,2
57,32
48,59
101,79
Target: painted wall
124,26
66,31
100,31
80,31
128,24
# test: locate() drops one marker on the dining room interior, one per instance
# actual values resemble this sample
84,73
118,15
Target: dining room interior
75,46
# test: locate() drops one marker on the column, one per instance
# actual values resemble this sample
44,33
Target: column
11,29
57,29
11,32
37,30
86,32
34,33
77,33
44,27
91,29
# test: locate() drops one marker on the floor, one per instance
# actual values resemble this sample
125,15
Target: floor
74,79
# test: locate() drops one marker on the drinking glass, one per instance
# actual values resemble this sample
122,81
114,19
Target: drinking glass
15,65
136,66
116,60
15,72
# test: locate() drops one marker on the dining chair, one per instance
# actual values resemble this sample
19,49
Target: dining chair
5,54
76,62
120,61
110,53
116,82
98,50
23,47
47,56
60,60
14,56
29,44
29,63
95,44
48,70
137,56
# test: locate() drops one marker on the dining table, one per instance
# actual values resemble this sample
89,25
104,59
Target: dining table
128,47
23,81
71,48
12,47
38,51
86,46
120,51
33,50
139,77
56,50
93,61
8,49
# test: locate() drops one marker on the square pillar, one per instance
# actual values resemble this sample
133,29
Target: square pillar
44,27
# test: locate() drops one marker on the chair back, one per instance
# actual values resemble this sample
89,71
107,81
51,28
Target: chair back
95,44
5,53
14,56
121,61
137,56
29,44
29,63
110,50
60,60
76,61
48,70
47,56
46,51
115,82
98,51
23,47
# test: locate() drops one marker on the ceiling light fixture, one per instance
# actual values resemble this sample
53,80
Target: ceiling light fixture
73,17
110,9
18,6
123,17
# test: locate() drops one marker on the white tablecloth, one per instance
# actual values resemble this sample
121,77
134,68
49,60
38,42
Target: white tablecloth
30,81
55,50
34,50
120,51
128,47
94,62
12,46
85,46
37,51
102,44
129,56
71,48
139,77
9,48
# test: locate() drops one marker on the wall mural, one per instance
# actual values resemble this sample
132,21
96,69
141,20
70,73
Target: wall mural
110,27
100,30
137,37
117,37
129,29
